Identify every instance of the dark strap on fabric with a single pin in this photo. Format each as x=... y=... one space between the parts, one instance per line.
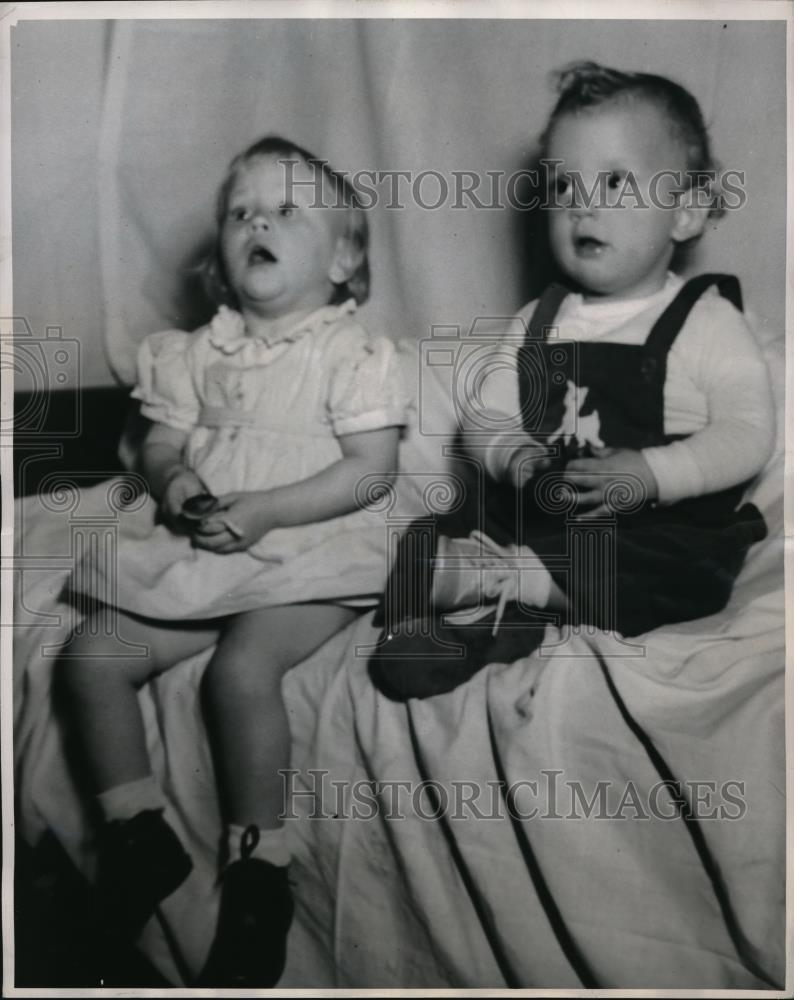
x=560 y=929
x=478 y=902
x=744 y=949
x=669 y=324
x=546 y=310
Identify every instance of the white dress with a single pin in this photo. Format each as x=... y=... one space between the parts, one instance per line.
x=259 y=415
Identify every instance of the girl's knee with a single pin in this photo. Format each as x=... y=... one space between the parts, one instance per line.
x=92 y=657
x=79 y=675
x=258 y=647
x=248 y=674
x=244 y=669
x=259 y=644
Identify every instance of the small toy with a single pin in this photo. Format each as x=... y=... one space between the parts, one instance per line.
x=196 y=508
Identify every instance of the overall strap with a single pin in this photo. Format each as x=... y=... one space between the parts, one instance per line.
x=546 y=310
x=668 y=325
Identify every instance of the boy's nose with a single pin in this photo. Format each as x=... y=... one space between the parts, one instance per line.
x=259 y=221
x=582 y=206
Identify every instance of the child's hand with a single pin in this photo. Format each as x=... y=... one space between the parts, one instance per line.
x=239 y=521
x=182 y=485
x=610 y=467
x=527 y=462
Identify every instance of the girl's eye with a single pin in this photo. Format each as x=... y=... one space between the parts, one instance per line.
x=240 y=214
x=286 y=211
x=615 y=180
x=562 y=185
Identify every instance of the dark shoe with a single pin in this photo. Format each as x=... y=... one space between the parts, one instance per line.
x=141 y=862
x=250 y=946
x=424 y=658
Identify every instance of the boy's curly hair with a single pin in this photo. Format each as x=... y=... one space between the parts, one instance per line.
x=584 y=85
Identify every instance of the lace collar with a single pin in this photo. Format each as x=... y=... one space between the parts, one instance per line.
x=228 y=332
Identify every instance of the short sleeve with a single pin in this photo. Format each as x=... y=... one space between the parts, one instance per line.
x=165 y=381
x=367 y=389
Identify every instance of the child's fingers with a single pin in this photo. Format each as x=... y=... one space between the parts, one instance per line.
x=207 y=542
x=583 y=477
x=224 y=548
x=219 y=526
x=170 y=512
x=582 y=465
x=226 y=500
x=230 y=547
x=596 y=462
x=215 y=534
x=211 y=527
x=221 y=542
x=233 y=528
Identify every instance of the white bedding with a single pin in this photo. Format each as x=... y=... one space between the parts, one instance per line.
x=384 y=903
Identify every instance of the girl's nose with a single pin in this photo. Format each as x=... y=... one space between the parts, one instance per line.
x=259 y=221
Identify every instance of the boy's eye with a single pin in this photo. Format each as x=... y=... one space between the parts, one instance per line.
x=240 y=214
x=286 y=211
x=615 y=180
x=562 y=185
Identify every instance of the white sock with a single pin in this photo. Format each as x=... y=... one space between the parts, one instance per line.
x=125 y=801
x=266 y=845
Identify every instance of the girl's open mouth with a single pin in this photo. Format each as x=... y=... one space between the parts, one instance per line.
x=261 y=255
x=588 y=246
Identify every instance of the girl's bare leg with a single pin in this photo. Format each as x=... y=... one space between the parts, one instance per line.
x=101 y=682
x=251 y=740
x=246 y=714
x=141 y=860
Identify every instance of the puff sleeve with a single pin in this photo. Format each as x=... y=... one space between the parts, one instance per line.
x=367 y=388
x=165 y=381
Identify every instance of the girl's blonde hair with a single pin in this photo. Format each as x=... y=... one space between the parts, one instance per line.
x=357 y=285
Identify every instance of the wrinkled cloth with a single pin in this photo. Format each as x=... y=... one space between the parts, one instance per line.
x=631 y=891
x=381 y=903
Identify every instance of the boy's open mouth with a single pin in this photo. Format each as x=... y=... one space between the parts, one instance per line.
x=588 y=246
x=261 y=255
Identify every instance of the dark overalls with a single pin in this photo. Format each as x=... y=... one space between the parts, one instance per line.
x=643 y=566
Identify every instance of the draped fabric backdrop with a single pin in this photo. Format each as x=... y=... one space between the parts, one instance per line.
x=122 y=132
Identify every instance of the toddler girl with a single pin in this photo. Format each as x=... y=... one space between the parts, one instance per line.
x=638 y=405
x=263 y=424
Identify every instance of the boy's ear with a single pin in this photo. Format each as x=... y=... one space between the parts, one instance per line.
x=346 y=260
x=690 y=218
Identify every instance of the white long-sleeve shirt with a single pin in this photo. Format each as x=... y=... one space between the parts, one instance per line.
x=717 y=388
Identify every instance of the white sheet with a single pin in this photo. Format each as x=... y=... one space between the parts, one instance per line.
x=383 y=903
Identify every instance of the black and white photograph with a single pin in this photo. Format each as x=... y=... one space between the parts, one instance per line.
x=393 y=464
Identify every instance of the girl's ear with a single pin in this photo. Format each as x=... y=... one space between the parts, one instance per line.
x=346 y=260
